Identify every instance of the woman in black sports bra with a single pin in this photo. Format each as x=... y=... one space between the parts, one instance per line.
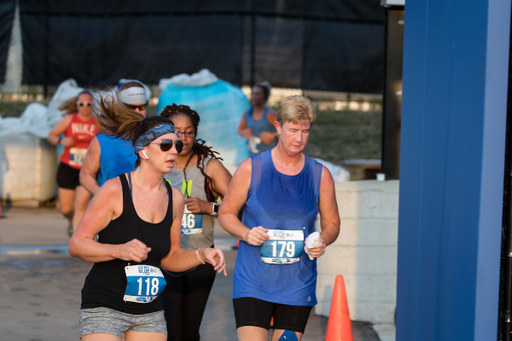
x=137 y=217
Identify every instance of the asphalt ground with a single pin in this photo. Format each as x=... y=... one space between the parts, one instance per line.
x=40 y=284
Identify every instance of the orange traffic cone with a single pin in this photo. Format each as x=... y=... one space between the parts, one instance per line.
x=339 y=327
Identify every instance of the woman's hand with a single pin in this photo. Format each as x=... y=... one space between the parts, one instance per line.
x=318 y=250
x=267 y=137
x=67 y=142
x=196 y=205
x=134 y=250
x=216 y=258
x=256 y=236
x=247 y=132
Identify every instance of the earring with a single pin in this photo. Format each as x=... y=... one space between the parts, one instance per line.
x=144 y=152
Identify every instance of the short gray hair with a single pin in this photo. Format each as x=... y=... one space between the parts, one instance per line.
x=296 y=109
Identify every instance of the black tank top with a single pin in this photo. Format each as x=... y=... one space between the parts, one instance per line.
x=106 y=282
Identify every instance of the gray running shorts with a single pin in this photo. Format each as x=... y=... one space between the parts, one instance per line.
x=109 y=321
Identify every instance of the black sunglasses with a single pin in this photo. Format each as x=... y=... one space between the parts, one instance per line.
x=81 y=104
x=140 y=107
x=166 y=145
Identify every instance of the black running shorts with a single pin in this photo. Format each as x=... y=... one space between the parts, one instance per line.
x=258 y=313
x=67 y=176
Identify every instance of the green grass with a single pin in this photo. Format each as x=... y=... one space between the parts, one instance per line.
x=341 y=135
x=16 y=108
x=12 y=108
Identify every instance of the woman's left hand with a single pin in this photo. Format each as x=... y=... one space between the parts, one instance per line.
x=318 y=250
x=216 y=258
x=68 y=142
x=196 y=205
x=267 y=137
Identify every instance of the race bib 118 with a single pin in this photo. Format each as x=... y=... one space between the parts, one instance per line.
x=283 y=247
x=145 y=283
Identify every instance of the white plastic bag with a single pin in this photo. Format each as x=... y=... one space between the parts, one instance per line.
x=201 y=78
x=220 y=106
x=338 y=173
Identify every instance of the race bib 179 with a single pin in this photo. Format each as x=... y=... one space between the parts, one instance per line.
x=145 y=283
x=283 y=247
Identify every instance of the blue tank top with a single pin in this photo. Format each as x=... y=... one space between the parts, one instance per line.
x=284 y=202
x=257 y=128
x=117 y=157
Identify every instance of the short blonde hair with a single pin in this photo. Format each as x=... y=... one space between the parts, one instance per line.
x=296 y=109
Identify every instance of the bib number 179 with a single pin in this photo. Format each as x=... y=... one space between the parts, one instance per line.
x=281 y=247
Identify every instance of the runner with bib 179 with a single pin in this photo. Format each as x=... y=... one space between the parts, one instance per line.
x=279 y=192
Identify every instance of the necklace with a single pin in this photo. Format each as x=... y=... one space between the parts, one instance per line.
x=184 y=169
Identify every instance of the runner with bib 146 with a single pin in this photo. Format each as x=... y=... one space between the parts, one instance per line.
x=202 y=178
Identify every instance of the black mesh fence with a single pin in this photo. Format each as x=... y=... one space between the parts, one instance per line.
x=505 y=283
x=333 y=45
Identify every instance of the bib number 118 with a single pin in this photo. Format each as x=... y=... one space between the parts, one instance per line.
x=151 y=285
x=283 y=246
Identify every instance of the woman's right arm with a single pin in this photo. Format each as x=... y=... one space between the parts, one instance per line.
x=268 y=136
x=232 y=204
x=242 y=128
x=180 y=260
x=90 y=167
x=59 y=129
x=105 y=206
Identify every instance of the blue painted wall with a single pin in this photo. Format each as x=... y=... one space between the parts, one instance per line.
x=451 y=177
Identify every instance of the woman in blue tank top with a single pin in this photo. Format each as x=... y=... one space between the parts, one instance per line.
x=257 y=123
x=108 y=156
x=280 y=192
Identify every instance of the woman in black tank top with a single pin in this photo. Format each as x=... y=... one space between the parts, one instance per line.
x=137 y=217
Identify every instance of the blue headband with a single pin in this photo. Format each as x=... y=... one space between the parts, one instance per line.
x=152 y=134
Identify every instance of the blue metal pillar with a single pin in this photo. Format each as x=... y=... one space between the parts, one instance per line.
x=454 y=100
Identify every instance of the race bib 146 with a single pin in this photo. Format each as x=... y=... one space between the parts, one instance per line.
x=191 y=223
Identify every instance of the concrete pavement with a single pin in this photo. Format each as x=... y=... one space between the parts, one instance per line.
x=40 y=284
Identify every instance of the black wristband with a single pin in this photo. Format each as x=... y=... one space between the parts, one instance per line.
x=58 y=141
x=215 y=209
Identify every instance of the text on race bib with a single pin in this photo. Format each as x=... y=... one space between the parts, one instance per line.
x=191 y=223
x=76 y=156
x=144 y=283
x=283 y=247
